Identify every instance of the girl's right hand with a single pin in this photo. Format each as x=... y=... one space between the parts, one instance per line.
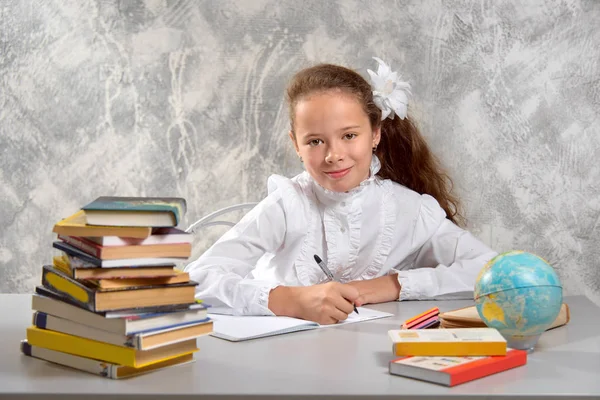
x=327 y=303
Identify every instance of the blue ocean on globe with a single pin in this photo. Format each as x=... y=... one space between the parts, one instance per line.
x=520 y=295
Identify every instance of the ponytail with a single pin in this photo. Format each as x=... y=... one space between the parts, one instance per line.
x=406 y=159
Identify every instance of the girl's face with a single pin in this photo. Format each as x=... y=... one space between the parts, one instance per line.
x=335 y=140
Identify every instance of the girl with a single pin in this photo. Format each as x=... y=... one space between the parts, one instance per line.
x=372 y=203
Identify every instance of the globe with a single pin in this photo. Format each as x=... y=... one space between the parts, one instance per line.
x=520 y=295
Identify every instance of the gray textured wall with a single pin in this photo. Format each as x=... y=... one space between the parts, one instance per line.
x=184 y=98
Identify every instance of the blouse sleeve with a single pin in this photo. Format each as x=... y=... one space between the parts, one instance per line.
x=224 y=271
x=448 y=258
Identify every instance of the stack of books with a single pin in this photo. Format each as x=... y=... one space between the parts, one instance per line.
x=113 y=302
x=451 y=356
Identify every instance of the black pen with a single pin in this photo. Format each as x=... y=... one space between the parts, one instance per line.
x=327 y=272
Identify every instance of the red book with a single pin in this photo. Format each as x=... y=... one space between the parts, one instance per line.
x=452 y=371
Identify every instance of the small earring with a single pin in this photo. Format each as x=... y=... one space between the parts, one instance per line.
x=374 y=149
x=301 y=160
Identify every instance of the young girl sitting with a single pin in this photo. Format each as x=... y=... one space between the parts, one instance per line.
x=373 y=204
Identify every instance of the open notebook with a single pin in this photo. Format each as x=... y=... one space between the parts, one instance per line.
x=239 y=328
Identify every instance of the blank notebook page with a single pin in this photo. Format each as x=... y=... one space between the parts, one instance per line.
x=238 y=328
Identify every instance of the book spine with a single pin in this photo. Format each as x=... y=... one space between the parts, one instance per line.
x=76 y=263
x=75 y=253
x=70 y=288
x=40 y=319
x=90 y=248
x=26 y=348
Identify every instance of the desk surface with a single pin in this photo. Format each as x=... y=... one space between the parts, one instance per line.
x=349 y=361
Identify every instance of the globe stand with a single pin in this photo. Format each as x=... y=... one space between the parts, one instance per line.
x=522 y=342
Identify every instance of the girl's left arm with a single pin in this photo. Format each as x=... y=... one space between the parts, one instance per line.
x=447 y=258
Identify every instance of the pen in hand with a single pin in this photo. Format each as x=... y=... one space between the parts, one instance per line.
x=327 y=272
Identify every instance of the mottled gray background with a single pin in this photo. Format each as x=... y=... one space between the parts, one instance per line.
x=185 y=98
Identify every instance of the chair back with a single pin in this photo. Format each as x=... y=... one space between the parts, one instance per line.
x=211 y=219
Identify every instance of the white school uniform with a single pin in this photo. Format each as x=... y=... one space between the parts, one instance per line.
x=376 y=229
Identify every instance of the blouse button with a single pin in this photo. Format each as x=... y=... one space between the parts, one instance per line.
x=343 y=204
x=343 y=230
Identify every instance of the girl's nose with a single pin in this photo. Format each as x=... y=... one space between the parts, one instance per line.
x=333 y=156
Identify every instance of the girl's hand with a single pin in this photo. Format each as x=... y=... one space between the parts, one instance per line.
x=378 y=290
x=325 y=304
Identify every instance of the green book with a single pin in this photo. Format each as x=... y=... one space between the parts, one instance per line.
x=153 y=212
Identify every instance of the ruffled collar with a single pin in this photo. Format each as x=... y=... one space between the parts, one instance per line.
x=327 y=196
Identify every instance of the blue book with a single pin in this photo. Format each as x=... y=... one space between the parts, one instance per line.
x=153 y=212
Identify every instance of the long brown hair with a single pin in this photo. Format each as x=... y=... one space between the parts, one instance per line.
x=404 y=154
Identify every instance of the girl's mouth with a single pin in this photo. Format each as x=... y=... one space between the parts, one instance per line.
x=339 y=173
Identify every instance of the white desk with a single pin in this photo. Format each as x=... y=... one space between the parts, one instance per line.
x=348 y=361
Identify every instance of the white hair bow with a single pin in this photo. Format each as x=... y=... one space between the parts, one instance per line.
x=390 y=94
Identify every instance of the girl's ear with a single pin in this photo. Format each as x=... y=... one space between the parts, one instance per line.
x=293 y=138
x=376 y=136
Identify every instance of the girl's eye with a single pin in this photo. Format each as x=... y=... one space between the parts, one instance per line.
x=350 y=136
x=314 y=142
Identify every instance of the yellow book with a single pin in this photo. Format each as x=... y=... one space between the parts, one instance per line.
x=93 y=299
x=107 y=352
x=448 y=342
x=102 y=368
x=75 y=225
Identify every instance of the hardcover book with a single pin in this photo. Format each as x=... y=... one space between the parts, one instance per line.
x=107 y=352
x=124 y=283
x=81 y=259
x=179 y=250
x=158 y=236
x=75 y=225
x=140 y=341
x=95 y=300
x=63 y=264
x=135 y=211
x=102 y=368
x=121 y=322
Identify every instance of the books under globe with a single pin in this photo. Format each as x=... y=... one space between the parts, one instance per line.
x=113 y=302
x=468 y=317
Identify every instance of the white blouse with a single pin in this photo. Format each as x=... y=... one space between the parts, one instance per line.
x=376 y=229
